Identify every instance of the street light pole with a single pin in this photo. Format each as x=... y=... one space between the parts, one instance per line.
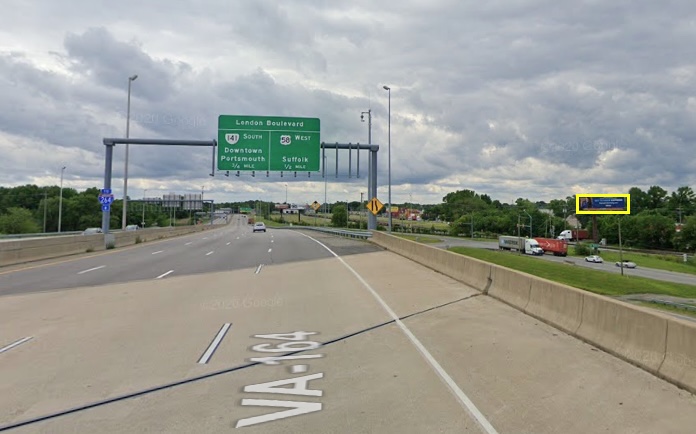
x=60 y=201
x=125 y=171
x=388 y=89
x=45 y=211
x=286 y=193
x=530 y=223
x=326 y=204
x=360 y=209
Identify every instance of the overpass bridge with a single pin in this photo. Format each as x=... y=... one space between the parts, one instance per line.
x=302 y=331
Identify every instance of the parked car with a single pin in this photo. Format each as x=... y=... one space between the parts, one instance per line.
x=626 y=264
x=594 y=258
x=92 y=231
x=259 y=227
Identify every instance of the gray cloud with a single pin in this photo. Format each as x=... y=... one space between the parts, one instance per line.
x=500 y=97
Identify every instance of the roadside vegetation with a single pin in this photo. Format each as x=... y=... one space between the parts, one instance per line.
x=463 y=213
x=667 y=262
x=600 y=282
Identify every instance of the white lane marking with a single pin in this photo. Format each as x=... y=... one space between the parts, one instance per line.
x=210 y=253
x=189 y=243
x=213 y=345
x=91 y=269
x=237 y=237
x=205 y=238
x=298 y=369
x=271 y=241
x=458 y=392
x=159 y=251
x=269 y=250
x=165 y=274
x=258 y=269
x=228 y=243
x=14 y=344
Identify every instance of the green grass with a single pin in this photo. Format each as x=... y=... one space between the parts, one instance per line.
x=420 y=238
x=600 y=282
x=660 y=262
x=268 y=223
x=666 y=307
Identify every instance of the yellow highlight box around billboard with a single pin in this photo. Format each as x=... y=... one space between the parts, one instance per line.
x=603 y=203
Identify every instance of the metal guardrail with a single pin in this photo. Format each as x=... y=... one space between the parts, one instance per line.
x=341 y=232
x=689 y=307
x=39 y=235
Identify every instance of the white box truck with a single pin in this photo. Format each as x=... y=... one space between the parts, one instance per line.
x=528 y=246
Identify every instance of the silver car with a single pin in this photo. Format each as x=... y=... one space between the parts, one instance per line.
x=594 y=258
x=626 y=264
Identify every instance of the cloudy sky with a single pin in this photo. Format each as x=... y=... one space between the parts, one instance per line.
x=513 y=98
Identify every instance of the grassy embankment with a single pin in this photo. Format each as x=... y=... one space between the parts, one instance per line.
x=600 y=282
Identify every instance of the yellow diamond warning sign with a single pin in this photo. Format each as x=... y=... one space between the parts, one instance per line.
x=374 y=205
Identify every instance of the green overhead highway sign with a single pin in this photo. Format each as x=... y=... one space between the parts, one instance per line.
x=268 y=143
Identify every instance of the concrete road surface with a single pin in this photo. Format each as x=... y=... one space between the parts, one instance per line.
x=291 y=332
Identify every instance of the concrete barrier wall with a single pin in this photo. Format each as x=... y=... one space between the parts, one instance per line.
x=28 y=250
x=510 y=286
x=679 y=366
x=471 y=271
x=656 y=342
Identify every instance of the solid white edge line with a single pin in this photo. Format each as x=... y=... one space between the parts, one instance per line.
x=165 y=274
x=258 y=269
x=213 y=345
x=159 y=251
x=189 y=243
x=14 y=344
x=91 y=269
x=458 y=392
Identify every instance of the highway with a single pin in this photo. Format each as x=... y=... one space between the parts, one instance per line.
x=610 y=267
x=294 y=331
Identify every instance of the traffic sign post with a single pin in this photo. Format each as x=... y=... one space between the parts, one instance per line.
x=106 y=198
x=268 y=143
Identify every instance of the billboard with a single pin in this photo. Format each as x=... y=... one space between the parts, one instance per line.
x=603 y=204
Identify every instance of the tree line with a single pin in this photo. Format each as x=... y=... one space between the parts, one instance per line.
x=33 y=209
x=651 y=224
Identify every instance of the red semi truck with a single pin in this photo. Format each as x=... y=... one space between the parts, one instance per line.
x=557 y=247
x=574 y=235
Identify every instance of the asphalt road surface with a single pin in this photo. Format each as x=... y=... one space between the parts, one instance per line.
x=610 y=267
x=294 y=332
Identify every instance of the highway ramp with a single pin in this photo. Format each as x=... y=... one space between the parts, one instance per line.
x=398 y=348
